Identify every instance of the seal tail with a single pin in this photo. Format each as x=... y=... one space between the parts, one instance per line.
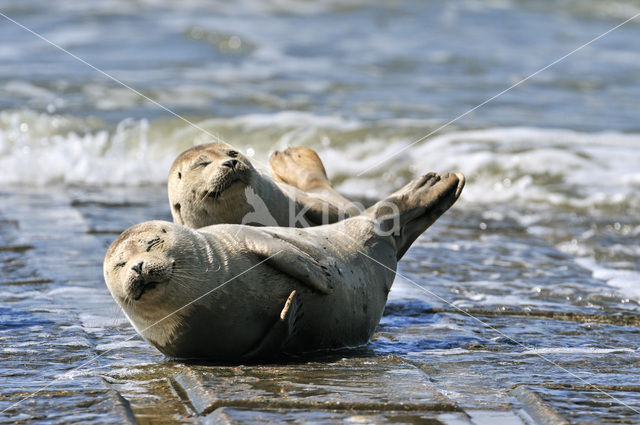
x=408 y=212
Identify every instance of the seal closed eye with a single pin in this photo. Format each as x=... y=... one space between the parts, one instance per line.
x=239 y=293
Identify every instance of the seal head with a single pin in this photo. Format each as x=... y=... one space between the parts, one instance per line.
x=215 y=184
x=147 y=270
x=206 y=182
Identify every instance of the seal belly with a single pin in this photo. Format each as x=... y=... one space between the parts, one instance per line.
x=226 y=325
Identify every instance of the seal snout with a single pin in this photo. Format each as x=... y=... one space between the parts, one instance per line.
x=146 y=276
x=228 y=173
x=232 y=163
x=138 y=268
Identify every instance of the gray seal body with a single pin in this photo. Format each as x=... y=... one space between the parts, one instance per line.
x=240 y=293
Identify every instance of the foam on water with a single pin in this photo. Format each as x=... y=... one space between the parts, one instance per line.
x=524 y=169
x=576 y=351
x=534 y=351
x=524 y=165
x=627 y=282
x=527 y=166
x=34 y=151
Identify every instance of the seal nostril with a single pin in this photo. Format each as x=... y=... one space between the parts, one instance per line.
x=231 y=163
x=137 y=268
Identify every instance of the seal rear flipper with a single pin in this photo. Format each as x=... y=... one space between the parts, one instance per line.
x=409 y=211
x=271 y=345
x=299 y=166
x=291 y=260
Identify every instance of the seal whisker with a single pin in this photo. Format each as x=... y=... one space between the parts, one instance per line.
x=189 y=277
x=200 y=200
x=186 y=268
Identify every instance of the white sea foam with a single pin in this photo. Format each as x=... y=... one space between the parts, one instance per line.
x=527 y=166
x=34 y=152
x=533 y=351
x=523 y=165
x=540 y=165
x=627 y=282
x=286 y=119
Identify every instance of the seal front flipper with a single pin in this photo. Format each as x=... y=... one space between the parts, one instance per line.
x=275 y=339
x=291 y=260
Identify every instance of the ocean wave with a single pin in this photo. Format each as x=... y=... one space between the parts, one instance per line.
x=41 y=149
x=521 y=165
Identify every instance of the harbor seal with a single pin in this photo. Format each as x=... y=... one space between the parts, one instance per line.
x=301 y=167
x=241 y=293
x=215 y=184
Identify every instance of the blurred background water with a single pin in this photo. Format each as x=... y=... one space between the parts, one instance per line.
x=547 y=226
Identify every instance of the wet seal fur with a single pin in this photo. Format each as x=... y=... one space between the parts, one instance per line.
x=241 y=293
x=215 y=184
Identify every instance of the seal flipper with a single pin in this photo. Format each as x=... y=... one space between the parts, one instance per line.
x=291 y=260
x=417 y=206
x=299 y=166
x=275 y=339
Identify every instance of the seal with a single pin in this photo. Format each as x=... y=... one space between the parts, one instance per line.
x=214 y=184
x=301 y=167
x=241 y=293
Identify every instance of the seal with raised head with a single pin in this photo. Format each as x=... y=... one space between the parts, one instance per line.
x=215 y=184
x=242 y=293
x=301 y=167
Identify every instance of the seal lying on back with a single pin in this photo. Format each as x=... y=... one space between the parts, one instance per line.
x=242 y=293
x=216 y=184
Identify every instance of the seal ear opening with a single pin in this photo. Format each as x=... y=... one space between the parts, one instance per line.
x=177 y=215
